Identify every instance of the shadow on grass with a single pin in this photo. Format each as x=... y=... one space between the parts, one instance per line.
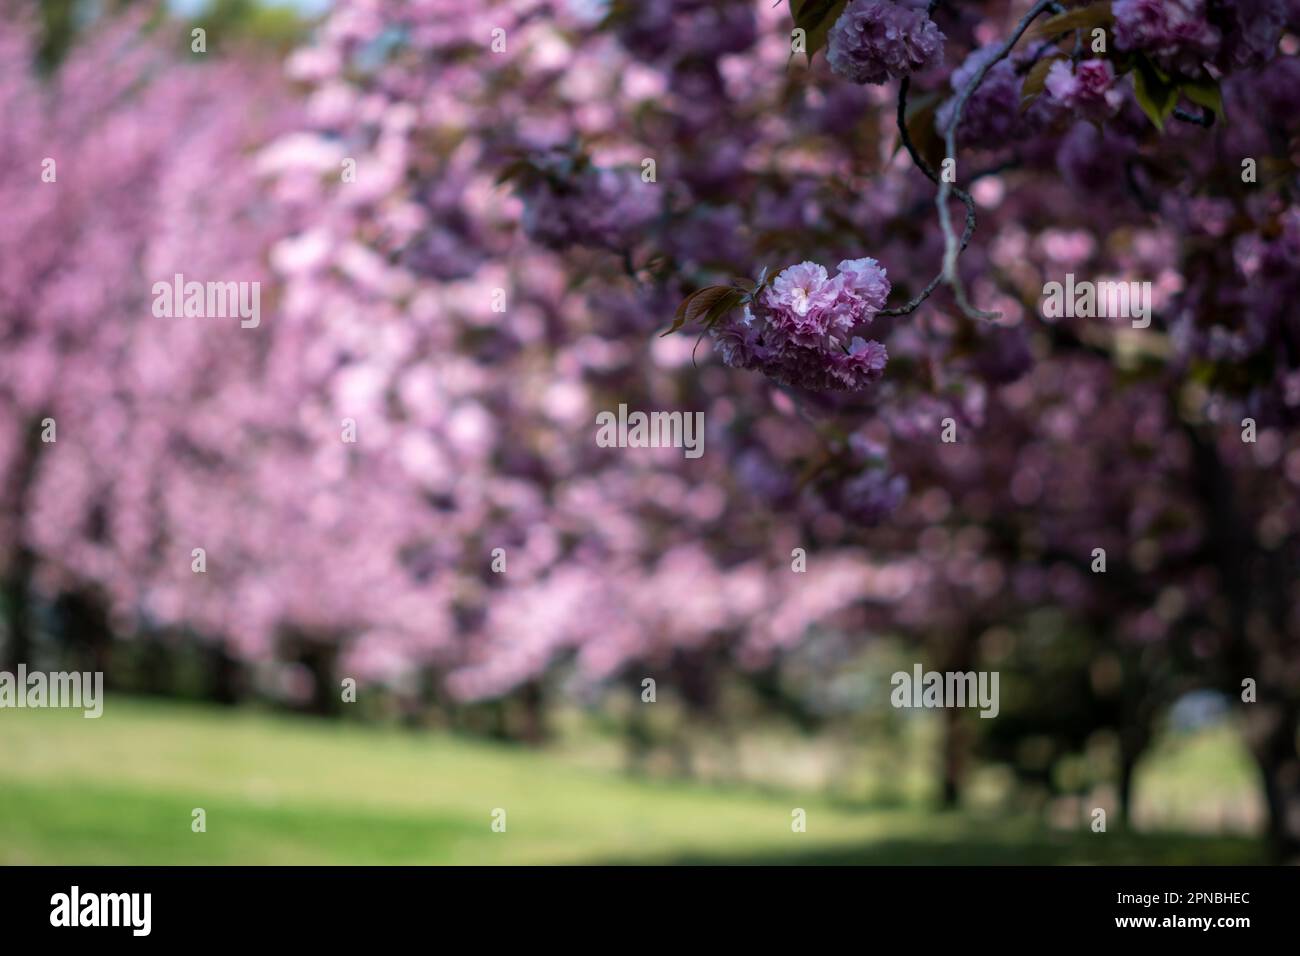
x=94 y=825
x=1046 y=848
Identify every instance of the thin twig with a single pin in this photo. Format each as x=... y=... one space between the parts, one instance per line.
x=915 y=302
x=952 y=247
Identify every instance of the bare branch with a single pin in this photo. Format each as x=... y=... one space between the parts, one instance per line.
x=913 y=304
x=953 y=246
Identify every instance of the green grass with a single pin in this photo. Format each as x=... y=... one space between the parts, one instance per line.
x=1201 y=780
x=282 y=790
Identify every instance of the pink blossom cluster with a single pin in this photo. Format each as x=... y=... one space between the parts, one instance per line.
x=874 y=41
x=799 y=331
x=1088 y=88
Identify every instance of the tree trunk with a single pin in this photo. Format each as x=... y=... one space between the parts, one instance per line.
x=637 y=735
x=156 y=675
x=85 y=633
x=17 y=609
x=320 y=658
x=954 y=759
x=17 y=585
x=532 y=707
x=225 y=675
x=1127 y=766
x=1133 y=741
x=1251 y=582
x=959 y=657
x=1272 y=734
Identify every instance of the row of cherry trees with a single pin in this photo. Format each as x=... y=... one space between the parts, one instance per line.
x=473 y=221
x=380 y=480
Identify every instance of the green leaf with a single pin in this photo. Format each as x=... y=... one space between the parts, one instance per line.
x=1036 y=78
x=1155 y=95
x=816 y=17
x=1204 y=93
x=1081 y=18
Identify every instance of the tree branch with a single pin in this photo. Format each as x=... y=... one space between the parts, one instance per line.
x=913 y=304
x=952 y=246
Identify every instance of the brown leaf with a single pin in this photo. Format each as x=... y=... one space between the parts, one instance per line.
x=705 y=300
x=696 y=304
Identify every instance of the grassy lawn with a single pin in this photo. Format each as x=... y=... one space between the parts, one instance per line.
x=282 y=790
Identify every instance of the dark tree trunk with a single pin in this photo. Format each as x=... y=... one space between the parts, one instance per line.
x=156 y=673
x=1127 y=766
x=17 y=609
x=327 y=692
x=954 y=759
x=1258 y=583
x=17 y=585
x=225 y=675
x=694 y=676
x=959 y=657
x=1133 y=743
x=532 y=708
x=1272 y=734
x=85 y=632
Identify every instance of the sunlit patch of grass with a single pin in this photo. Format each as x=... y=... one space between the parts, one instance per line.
x=283 y=790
